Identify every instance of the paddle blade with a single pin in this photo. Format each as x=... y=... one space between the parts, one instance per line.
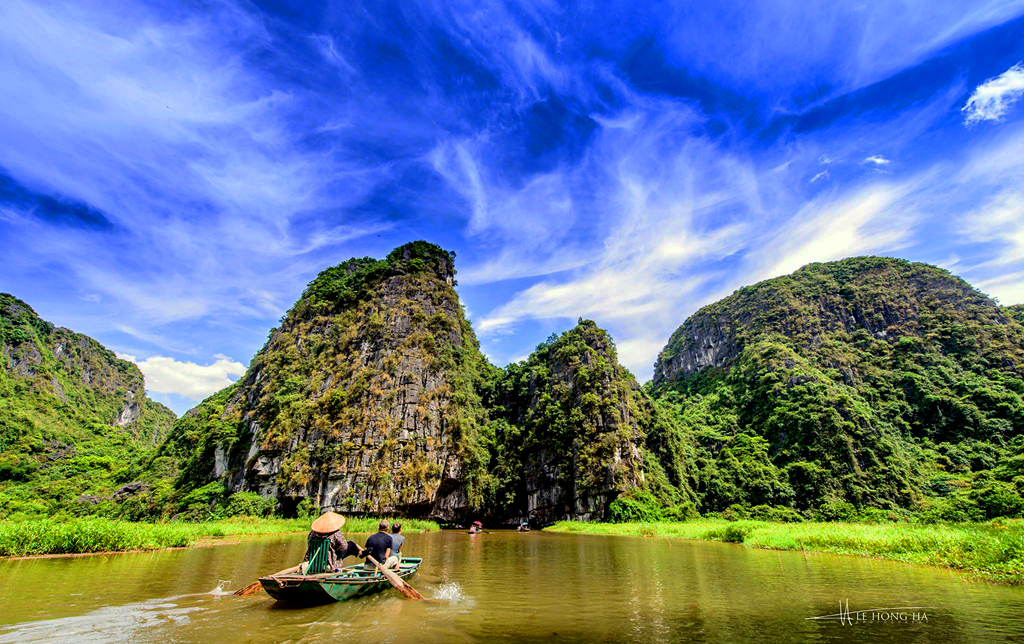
x=408 y=591
x=251 y=589
x=256 y=586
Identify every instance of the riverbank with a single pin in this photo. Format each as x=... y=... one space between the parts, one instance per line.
x=90 y=535
x=994 y=550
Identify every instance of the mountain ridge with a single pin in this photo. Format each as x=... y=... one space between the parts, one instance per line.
x=868 y=386
x=74 y=418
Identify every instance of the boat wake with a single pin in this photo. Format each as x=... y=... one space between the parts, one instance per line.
x=106 y=624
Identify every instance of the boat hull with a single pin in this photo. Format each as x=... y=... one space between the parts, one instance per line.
x=350 y=583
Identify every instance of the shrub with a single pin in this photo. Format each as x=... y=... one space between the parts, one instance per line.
x=999 y=500
x=836 y=511
x=735 y=512
x=248 y=504
x=955 y=509
x=306 y=510
x=635 y=507
x=779 y=513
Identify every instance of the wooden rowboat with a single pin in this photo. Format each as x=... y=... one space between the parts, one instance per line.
x=349 y=583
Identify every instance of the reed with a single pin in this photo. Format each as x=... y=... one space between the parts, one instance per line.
x=993 y=550
x=38 y=537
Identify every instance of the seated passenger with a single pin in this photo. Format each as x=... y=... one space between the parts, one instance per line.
x=397 y=539
x=378 y=546
x=326 y=546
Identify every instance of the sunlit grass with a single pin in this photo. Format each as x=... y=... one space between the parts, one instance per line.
x=43 y=537
x=992 y=550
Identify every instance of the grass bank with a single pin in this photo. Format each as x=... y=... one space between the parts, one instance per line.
x=992 y=550
x=39 y=537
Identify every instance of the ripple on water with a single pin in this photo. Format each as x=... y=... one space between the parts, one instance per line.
x=107 y=624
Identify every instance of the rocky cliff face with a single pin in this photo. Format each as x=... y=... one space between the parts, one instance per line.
x=886 y=298
x=78 y=374
x=365 y=400
x=574 y=423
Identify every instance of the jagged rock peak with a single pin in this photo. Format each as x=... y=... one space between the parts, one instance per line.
x=364 y=400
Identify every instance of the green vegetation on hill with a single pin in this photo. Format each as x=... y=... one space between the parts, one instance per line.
x=74 y=419
x=866 y=389
x=571 y=409
x=862 y=383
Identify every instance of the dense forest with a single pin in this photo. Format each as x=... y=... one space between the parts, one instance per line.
x=868 y=388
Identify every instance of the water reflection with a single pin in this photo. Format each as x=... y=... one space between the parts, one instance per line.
x=505 y=586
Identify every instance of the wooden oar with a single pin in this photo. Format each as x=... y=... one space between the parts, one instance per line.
x=396 y=581
x=256 y=586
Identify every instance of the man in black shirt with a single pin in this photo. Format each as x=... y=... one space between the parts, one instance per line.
x=378 y=546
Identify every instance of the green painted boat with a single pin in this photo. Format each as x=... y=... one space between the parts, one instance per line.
x=349 y=583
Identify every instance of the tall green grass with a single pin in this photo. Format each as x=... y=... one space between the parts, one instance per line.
x=38 y=537
x=993 y=550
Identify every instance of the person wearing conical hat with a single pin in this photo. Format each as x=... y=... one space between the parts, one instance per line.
x=326 y=545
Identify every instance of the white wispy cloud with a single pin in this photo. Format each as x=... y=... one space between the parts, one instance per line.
x=1000 y=220
x=991 y=100
x=161 y=123
x=865 y=221
x=188 y=379
x=1009 y=287
x=821 y=175
x=876 y=159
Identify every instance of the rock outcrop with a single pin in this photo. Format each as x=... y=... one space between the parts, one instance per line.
x=76 y=374
x=364 y=400
x=575 y=423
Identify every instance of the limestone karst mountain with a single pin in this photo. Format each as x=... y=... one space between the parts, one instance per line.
x=867 y=385
x=570 y=428
x=373 y=397
x=872 y=381
x=366 y=398
x=73 y=417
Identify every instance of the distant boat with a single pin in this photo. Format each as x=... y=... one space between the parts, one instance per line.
x=349 y=583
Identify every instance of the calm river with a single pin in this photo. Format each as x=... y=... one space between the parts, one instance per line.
x=509 y=587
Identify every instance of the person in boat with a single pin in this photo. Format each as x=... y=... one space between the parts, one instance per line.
x=326 y=545
x=397 y=539
x=476 y=527
x=378 y=546
x=524 y=527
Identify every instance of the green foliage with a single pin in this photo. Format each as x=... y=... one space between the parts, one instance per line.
x=640 y=505
x=345 y=285
x=248 y=504
x=61 y=397
x=571 y=417
x=44 y=537
x=998 y=500
x=864 y=388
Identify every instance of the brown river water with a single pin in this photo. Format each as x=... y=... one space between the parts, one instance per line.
x=510 y=587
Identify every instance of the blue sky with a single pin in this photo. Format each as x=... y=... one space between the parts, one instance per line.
x=172 y=175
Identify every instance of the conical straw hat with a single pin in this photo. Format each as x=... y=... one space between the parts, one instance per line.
x=328 y=522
